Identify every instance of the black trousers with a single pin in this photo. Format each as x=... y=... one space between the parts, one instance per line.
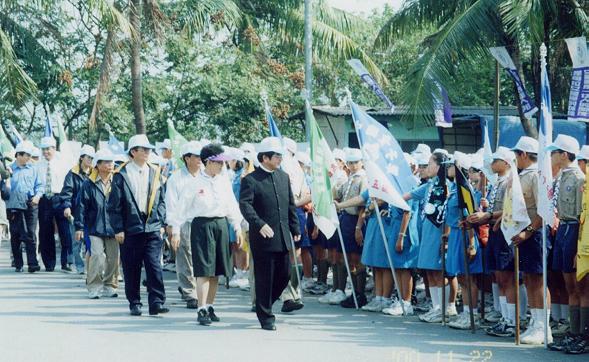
x=23 y=224
x=144 y=248
x=272 y=273
x=46 y=234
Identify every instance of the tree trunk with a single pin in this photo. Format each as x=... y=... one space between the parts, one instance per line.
x=136 y=91
x=104 y=80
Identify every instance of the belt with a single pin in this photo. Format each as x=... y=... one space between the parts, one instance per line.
x=568 y=222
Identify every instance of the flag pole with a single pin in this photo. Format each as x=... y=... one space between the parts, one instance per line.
x=545 y=284
x=388 y=252
x=296 y=263
x=517 y=301
x=467 y=274
x=341 y=241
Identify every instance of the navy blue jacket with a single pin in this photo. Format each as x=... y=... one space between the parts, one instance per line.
x=91 y=211
x=68 y=197
x=123 y=211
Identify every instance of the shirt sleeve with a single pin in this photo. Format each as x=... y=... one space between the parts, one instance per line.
x=580 y=185
x=365 y=195
x=171 y=200
x=233 y=213
x=420 y=192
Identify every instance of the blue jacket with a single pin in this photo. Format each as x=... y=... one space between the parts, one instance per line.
x=91 y=211
x=122 y=208
x=25 y=183
x=68 y=197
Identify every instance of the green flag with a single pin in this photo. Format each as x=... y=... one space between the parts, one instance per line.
x=5 y=144
x=177 y=141
x=325 y=216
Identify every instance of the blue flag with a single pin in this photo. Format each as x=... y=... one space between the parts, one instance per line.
x=545 y=189
x=389 y=174
x=274 y=132
x=48 y=127
x=115 y=145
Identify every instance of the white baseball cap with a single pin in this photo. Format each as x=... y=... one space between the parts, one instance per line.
x=26 y=147
x=504 y=154
x=102 y=155
x=462 y=160
x=565 y=143
x=526 y=144
x=353 y=154
x=249 y=150
x=36 y=152
x=423 y=149
x=410 y=159
x=87 y=150
x=47 y=142
x=271 y=144
x=476 y=161
x=304 y=158
x=421 y=159
x=191 y=147
x=339 y=154
x=442 y=151
x=139 y=140
x=290 y=145
x=584 y=153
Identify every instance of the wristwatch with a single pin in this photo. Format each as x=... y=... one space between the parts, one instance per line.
x=530 y=229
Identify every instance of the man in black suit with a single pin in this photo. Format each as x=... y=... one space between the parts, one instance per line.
x=266 y=202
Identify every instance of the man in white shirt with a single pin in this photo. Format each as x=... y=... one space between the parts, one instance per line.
x=53 y=172
x=179 y=230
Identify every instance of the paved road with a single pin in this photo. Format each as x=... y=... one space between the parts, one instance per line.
x=46 y=317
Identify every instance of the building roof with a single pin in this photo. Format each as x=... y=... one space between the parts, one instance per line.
x=457 y=111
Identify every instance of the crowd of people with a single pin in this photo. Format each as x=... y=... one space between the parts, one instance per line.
x=245 y=215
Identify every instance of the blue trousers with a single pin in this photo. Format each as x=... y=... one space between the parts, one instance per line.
x=144 y=248
x=47 y=214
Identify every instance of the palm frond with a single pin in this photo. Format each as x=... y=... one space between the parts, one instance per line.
x=112 y=16
x=154 y=18
x=16 y=86
x=415 y=15
x=327 y=42
x=336 y=18
x=463 y=38
x=199 y=15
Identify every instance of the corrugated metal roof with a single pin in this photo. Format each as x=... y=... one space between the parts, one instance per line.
x=457 y=111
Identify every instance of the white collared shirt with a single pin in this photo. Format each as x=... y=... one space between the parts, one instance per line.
x=59 y=169
x=176 y=188
x=206 y=196
x=139 y=179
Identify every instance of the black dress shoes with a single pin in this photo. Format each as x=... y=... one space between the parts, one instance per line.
x=158 y=309
x=203 y=317
x=33 y=269
x=291 y=306
x=18 y=270
x=269 y=327
x=192 y=304
x=135 y=310
x=49 y=270
x=212 y=315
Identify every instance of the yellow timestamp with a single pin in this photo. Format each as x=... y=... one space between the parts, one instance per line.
x=416 y=356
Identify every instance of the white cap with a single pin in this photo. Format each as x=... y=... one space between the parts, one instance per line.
x=410 y=159
x=421 y=159
x=353 y=154
x=47 y=142
x=167 y=144
x=25 y=146
x=304 y=158
x=476 y=161
x=234 y=153
x=290 y=145
x=339 y=154
x=192 y=147
x=462 y=160
x=102 y=155
x=249 y=150
x=271 y=144
x=423 y=149
x=504 y=154
x=121 y=157
x=565 y=143
x=442 y=151
x=584 y=153
x=526 y=144
x=87 y=150
x=36 y=152
x=139 y=140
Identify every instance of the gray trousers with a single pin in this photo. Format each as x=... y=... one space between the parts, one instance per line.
x=184 y=271
x=103 y=265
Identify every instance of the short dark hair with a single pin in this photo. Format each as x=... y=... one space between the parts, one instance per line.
x=261 y=155
x=210 y=150
x=572 y=157
x=532 y=156
x=188 y=155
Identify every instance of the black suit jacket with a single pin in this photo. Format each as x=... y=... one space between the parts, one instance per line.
x=266 y=198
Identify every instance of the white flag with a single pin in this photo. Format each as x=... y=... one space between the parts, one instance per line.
x=515 y=214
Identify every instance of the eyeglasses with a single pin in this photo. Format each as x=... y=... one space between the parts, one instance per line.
x=352 y=162
x=556 y=152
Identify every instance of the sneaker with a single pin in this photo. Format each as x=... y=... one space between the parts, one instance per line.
x=580 y=345
x=325 y=298
x=373 y=306
x=561 y=328
x=493 y=316
x=67 y=269
x=528 y=330
x=109 y=292
x=192 y=304
x=451 y=310
x=424 y=305
x=233 y=282
x=320 y=288
x=337 y=297
x=463 y=322
x=243 y=283
x=426 y=315
x=307 y=284
x=505 y=328
x=567 y=340
x=212 y=316
x=435 y=316
x=203 y=317
x=94 y=294
x=395 y=309
x=536 y=335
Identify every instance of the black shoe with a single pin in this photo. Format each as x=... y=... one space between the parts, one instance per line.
x=269 y=327
x=203 y=317
x=567 y=340
x=33 y=269
x=192 y=304
x=349 y=301
x=212 y=314
x=158 y=309
x=135 y=310
x=580 y=345
x=291 y=305
x=66 y=269
x=19 y=270
x=49 y=270
x=502 y=329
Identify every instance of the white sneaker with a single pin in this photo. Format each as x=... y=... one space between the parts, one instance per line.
x=432 y=316
x=109 y=292
x=94 y=294
x=493 y=316
x=536 y=335
x=325 y=298
x=233 y=282
x=426 y=315
x=463 y=322
x=373 y=306
x=528 y=330
x=451 y=310
x=307 y=284
x=337 y=297
x=397 y=310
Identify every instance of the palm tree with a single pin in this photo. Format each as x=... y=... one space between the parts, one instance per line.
x=465 y=31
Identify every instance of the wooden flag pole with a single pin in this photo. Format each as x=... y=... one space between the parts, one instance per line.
x=517 y=301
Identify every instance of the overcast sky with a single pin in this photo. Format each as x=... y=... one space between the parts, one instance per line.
x=364 y=6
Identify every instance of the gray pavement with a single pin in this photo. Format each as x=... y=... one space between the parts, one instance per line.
x=47 y=317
